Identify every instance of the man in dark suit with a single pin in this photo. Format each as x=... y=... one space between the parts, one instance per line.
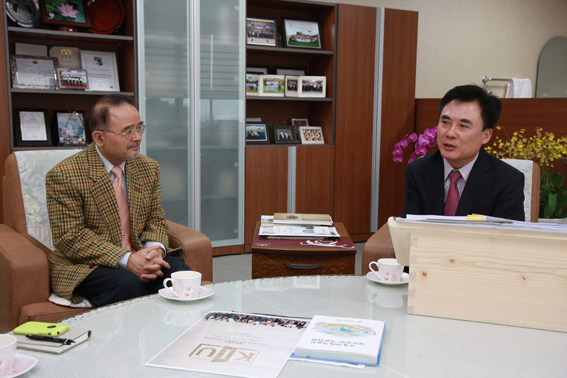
x=486 y=185
x=95 y=257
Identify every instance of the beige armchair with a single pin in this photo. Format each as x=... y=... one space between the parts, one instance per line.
x=379 y=245
x=24 y=266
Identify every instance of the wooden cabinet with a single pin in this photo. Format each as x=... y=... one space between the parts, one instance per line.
x=315 y=62
x=268 y=181
x=308 y=170
x=123 y=44
x=340 y=177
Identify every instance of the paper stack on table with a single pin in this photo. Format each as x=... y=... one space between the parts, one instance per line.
x=297 y=226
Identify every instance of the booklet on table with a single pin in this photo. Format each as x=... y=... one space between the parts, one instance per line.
x=341 y=339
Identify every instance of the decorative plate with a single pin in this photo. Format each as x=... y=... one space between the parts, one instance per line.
x=106 y=15
x=25 y=13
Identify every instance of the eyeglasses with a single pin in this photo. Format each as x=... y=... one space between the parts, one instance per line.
x=130 y=134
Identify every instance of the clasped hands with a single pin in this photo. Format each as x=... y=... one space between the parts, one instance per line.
x=147 y=263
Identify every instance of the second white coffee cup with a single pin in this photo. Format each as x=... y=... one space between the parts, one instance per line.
x=8 y=344
x=388 y=270
x=184 y=284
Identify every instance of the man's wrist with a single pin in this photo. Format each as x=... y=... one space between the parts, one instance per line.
x=150 y=243
x=124 y=260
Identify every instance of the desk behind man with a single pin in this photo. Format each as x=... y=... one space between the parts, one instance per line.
x=104 y=205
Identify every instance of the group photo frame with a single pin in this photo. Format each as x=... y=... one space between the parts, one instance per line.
x=302 y=34
x=291 y=86
x=272 y=85
x=312 y=86
x=252 y=85
x=311 y=135
x=261 y=31
x=72 y=79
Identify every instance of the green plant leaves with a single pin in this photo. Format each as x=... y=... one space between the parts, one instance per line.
x=553 y=196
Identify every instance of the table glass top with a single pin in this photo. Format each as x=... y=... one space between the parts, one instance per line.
x=127 y=335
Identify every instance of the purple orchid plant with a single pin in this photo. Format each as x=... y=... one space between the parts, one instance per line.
x=421 y=144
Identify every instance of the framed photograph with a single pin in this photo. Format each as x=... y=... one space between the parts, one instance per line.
x=290 y=71
x=257 y=133
x=72 y=79
x=102 y=70
x=284 y=134
x=257 y=70
x=312 y=86
x=31 y=128
x=302 y=34
x=261 y=31
x=252 y=88
x=298 y=122
x=33 y=72
x=291 y=83
x=272 y=85
x=311 y=135
x=69 y=127
x=65 y=12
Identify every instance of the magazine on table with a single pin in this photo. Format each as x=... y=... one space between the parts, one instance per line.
x=233 y=343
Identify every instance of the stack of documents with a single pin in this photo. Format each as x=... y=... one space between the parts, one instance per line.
x=271 y=228
x=303 y=219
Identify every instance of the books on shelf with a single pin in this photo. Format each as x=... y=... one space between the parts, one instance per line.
x=303 y=219
x=79 y=335
x=340 y=339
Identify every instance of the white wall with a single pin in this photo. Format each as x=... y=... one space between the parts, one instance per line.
x=460 y=41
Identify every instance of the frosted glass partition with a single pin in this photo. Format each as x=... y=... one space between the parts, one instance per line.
x=191 y=68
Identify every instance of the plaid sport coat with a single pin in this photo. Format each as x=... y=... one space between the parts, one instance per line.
x=84 y=218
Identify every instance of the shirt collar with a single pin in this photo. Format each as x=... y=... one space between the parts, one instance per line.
x=108 y=165
x=465 y=170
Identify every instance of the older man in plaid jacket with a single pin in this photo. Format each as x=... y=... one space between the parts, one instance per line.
x=97 y=256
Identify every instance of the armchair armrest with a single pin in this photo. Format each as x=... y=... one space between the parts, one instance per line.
x=197 y=247
x=24 y=276
x=379 y=246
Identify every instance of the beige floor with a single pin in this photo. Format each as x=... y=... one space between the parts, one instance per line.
x=239 y=267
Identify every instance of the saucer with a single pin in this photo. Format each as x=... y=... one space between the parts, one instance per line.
x=204 y=292
x=22 y=364
x=373 y=276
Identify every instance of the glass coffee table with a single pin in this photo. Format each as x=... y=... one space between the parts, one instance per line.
x=127 y=335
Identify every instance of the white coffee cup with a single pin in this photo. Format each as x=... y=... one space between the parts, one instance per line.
x=8 y=345
x=388 y=270
x=184 y=283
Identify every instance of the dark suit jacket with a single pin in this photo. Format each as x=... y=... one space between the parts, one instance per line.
x=493 y=188
x=84 y=218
